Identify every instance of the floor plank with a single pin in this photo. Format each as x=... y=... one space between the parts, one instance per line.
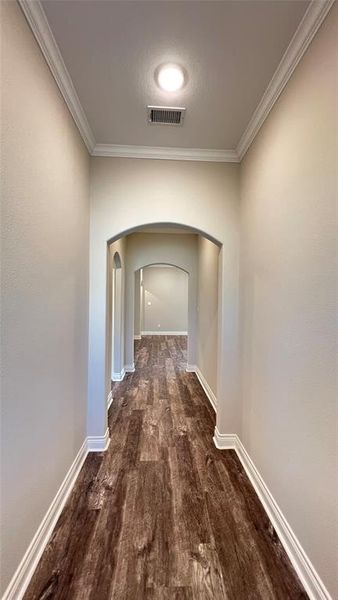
x=163 y=514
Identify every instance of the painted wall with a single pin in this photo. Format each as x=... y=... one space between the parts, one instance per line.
x=127 y=193
x=178 y=249
x=165 y=299
x=289 y=278
x=44 y=288
x=207 y=303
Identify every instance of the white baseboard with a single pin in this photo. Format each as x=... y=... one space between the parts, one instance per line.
x=126 y=369
x=26 y=568
x=109 y=399
x=97 y=443
x=206 y=387
x=225 y=441
x=159 y=332
x=309 y=577
x=119 y=376
x=137 y=337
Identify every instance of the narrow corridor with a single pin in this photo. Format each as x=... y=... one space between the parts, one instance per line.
x=163 y=514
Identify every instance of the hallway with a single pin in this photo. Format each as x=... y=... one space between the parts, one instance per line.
x=163 y=514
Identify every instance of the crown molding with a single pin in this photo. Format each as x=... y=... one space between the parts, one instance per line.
x=305 y=32
x=160 y=152
x=39 y=25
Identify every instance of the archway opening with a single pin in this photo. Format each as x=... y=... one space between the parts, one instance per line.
x=197 y=255
x=117 y=357
x=161 y=301
x=164 y=227
x=163 y=292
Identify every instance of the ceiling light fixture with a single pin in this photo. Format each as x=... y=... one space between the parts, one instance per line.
x=170 y=78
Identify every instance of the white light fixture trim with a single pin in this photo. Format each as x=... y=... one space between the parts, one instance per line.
x=170 y=78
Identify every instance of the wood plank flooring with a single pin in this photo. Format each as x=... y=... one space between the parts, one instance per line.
x=163 y=514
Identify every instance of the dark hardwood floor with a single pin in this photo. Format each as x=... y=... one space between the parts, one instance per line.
x=163 y=514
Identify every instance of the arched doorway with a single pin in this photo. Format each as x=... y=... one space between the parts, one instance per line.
x=116 y=334
x=161 y=301
x=226 y=355
x=157 y=249
x=197 y=258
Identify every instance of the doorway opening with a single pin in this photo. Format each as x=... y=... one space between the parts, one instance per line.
x=161 y=301
x=165 y=281
x=163 y=306
x=116 y=319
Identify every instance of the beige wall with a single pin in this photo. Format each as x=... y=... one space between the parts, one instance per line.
x=44 y=288
x=207 y=303
x=166 y=289
x=289 y=277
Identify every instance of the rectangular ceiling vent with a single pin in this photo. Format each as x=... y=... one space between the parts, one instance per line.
x=165 y=115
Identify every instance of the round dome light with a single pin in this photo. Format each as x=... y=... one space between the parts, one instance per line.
x=170 y=78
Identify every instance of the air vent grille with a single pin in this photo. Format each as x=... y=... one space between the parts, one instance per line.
x=165 y=115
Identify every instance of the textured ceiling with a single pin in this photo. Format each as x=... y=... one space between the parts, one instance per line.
x=229 y=49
